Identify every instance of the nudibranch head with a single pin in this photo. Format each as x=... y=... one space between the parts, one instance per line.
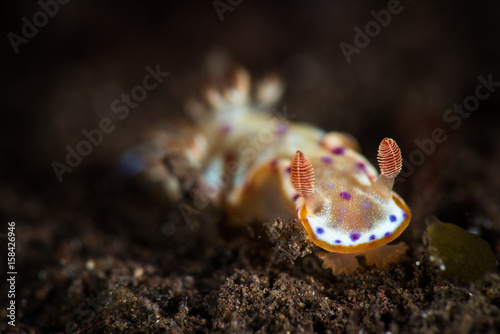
x=350 y=209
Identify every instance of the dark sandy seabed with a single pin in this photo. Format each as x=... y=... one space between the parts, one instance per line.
x=100 y=253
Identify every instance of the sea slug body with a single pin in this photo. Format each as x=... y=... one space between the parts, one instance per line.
x=258 y=165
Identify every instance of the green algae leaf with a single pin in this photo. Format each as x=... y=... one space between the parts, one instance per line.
x=459 y=256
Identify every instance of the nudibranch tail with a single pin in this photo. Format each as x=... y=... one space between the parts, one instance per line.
x=302 y=174
x=390 y=163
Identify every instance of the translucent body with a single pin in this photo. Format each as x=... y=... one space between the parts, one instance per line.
x=245 y=154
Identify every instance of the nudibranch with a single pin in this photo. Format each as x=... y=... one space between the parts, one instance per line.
x=258 y=165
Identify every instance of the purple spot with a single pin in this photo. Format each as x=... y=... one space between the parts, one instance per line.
x=367 y=205
x=345 y=195
x=372 y=237
x=361 y=166
x=297 y=211
x=319 y=230
x=295 y=197
x=281 y=128
x=288 y=170
x=274 y=162
x=327 y=160
x=393 y=218
x=355 y=235
x=387 y=234
x=338 y=241
x=225 y=129
x=405 y=215
x=338 y=150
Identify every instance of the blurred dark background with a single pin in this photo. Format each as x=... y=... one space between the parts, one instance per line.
x=426 y=59
x=63 y=80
